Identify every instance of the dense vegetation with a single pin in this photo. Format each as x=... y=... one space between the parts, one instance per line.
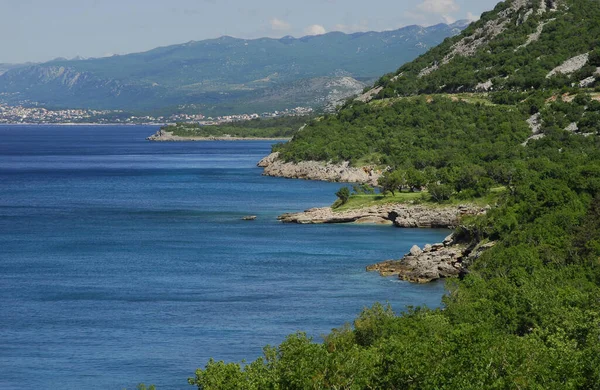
x=283 y=127
x=527 y=315
x=417 y=132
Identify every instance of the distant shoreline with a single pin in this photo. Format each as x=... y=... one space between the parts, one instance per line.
x=167 y=136
x=83 y=124
x=200 y=139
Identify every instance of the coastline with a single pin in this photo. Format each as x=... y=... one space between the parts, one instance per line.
x=451 y=258
x=434 y=261
x=167 y=136
x=448 y=259
x=404 y=215
x=82 y=124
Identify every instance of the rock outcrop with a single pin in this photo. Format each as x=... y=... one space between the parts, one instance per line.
x=315 y=170
x=433 y=262
x=399 y=214
x=571 y=65
x=535 y=124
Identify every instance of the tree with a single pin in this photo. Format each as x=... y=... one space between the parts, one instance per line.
x=440 y=192
x=343 y=195
x=391 y=181
x=415 y=179
x=594 y=58
x=364 y=189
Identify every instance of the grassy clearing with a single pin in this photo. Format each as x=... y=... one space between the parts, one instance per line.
x=358 y=201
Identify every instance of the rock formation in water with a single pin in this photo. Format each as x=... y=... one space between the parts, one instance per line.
x=432 y=262
x=401 y=215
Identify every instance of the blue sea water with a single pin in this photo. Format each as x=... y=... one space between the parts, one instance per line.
x=124 y=261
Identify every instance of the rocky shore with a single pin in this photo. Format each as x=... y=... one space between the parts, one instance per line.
x=316 y=170
x=398 y=214
x=433 y=262
x=167 y=136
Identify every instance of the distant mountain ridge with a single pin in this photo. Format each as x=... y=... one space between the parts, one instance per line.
x=225 y=72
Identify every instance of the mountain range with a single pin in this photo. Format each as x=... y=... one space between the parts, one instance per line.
x=224 y=74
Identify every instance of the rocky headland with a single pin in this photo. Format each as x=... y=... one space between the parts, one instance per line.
x=432 y=262
x=399 y=214
x=442 y=260
x=316 y=170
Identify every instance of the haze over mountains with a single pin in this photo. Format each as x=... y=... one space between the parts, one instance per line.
x=224 y=75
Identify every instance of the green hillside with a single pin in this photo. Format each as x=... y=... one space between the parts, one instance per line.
x=527 y=315
x=517 y=51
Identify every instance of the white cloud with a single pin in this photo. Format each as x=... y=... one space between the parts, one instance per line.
x=472 y=17
x=438 y=6
x=279 y=25
x=448 y=19
x=315 y=29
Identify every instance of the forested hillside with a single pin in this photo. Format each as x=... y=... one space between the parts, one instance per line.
x=527 y=314
x=519 y=46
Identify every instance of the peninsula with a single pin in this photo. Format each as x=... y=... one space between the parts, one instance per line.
x=277 y=128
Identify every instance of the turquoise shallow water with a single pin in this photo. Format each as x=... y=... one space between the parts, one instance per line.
x=124 y=261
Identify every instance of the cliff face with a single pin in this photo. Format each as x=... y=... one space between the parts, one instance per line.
x=315 y=170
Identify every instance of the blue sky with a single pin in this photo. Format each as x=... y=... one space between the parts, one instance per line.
x=39 y=30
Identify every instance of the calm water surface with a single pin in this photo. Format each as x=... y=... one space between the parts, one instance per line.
x=124 y=261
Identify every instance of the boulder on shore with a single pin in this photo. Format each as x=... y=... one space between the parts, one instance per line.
x=437 y=261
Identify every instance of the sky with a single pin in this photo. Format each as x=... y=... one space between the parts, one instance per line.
x=40 y=30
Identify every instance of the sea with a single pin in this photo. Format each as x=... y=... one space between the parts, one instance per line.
x=125 y=261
